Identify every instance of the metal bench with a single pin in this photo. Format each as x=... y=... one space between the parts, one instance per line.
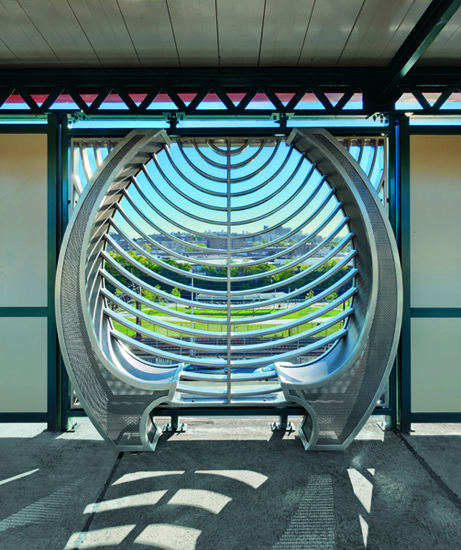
x=121 y=391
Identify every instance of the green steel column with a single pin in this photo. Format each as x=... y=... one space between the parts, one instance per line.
x=403 y=184
x=63 y=219
x=394 y=218
x=54 y=186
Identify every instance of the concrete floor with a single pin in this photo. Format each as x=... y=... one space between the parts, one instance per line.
x=230 y=484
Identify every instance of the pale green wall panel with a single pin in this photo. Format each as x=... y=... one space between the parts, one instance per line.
x=436 y=365
x=23 y=220
x=23 y=343
x=435 y=177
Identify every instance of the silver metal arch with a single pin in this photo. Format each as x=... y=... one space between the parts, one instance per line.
x=105 y=372
x=344 y=385
x=103 y=377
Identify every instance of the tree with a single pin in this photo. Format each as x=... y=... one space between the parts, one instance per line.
x=310 y=294
x=331 y=297
x=177 y=294
x=150 y=295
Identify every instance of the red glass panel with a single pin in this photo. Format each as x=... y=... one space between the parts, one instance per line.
x=236 y=97
x=285 y=97
x=138 y=98
x=187 y=97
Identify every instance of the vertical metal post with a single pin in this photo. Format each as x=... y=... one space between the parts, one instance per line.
x=393 y=207
x=229 y=258
x=405 y=382
x=64 y=196
x=192 y=339
x=54 y=130
x=400 y=216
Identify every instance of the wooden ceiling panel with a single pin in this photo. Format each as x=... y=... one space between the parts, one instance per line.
x=379 y=31
x=150 y=29
x=195 y=32
x=22 y=39
x=66 y=37
x=239 y=32
x=7 y=59
x=329 y=31
x=212 y=33
x=447 y=46
x=105 y=28
x=411 y=18
x=285 y=25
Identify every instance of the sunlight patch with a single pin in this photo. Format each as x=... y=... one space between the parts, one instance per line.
x=364 y=528
x=142 y=499
x=14 y=478
x=100 y=537
x=136 y=476
x=253 y=479
x=206 y=500
x=363 y=489
x=169 y=537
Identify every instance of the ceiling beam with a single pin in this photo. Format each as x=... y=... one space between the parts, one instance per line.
x=277 y=77
x=417 y=42
x=188 y=77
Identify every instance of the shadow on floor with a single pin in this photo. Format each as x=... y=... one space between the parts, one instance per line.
x=212 y=488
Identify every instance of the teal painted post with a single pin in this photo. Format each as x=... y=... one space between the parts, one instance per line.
x=63 y=219
x=54 y=184
x=403 y=179
x=394 y=218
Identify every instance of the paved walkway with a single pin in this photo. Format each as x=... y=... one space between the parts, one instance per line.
x=230 y=484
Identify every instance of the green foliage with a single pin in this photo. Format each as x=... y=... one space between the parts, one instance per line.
x=149 y=264
x=237 y=270
x=331 y=297
x=149 y=295
x=175 y=292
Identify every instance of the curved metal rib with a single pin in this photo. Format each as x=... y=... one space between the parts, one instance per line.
x=223 y=153
x=267 y=284
x=242 y=193
x=250 y=363
x=234 y=180
x=236 y=321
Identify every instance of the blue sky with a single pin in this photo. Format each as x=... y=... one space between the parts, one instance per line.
x=292 y=178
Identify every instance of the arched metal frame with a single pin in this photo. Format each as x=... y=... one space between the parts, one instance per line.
x=343 y=396
x=117 y=389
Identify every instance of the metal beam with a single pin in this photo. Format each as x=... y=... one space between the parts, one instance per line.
x=191 y=78
x=23 y=88
x=420 y=38
x=233 y=77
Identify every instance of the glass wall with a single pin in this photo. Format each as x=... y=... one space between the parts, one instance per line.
x=435 y=233
x=23 y=273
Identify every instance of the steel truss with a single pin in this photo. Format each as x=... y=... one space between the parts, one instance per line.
x=280 y=94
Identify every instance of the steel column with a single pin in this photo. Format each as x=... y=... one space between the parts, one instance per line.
x=54 y=131
x=402 y=168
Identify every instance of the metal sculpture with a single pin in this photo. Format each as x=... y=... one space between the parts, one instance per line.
x=207 y=207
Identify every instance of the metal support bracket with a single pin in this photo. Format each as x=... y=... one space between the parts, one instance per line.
x=174 y=426
x=283 y=424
